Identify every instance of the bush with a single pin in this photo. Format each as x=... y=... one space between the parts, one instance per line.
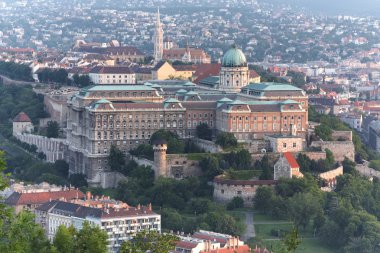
x=226 y=140
x=236 y=202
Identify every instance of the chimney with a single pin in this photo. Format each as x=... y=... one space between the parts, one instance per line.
x=88 y=195
x=150 y=207
x=138 y=207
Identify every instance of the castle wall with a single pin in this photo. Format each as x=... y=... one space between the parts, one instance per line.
x=315 y=155
x=54 y=149
x=340 y=149
x=341 y=135
x=207 y=146
x=226 y=190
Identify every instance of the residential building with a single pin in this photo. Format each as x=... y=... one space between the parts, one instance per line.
x=120 y=223
x=112 y=75
x=32 y=198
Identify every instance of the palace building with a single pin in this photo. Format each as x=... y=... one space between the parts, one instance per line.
x=127 y=115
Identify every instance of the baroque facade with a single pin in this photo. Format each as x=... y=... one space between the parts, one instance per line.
x=127 y=115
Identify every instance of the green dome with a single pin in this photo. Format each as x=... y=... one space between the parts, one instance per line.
x=234 y=57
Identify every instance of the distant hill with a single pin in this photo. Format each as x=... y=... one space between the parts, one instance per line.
x=335 y=7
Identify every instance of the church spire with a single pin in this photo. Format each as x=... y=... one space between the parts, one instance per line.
x=158 y=39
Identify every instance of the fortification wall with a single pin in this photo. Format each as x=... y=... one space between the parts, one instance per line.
x=341 y=135
x=178 y=166
x=226 y=190
x=57 y=108
x=54 y=149
x=340 y=149
x=207 y=146
x=315 y=155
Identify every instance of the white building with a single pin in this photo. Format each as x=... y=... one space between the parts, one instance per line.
x=353 y=120
x=112 y=75
x=120 y=224
x=22 y=124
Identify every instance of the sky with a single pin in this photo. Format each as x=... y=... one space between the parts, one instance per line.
x=337 y=7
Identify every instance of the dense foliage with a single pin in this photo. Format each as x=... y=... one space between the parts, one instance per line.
x=52 y=130
x=82 y=80
x=59 y=76
x=203 y=131
x=226 y=140
x=16 y=71
x=14 y=99
x=181 y=209
x=149 y=241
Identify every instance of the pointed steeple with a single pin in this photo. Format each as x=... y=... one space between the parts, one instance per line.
x=158 y=39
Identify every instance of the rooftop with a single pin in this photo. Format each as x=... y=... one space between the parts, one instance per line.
x=270 y=86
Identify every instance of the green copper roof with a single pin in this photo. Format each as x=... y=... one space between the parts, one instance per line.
x=148 y=84
x=234 y=57
x=224 y=100
x=289 y=101
x=237 y=102
x=192 y=93
x=103 y=101
x=118 y=88
x=271 y=87
x=171 y=100
x=189 y=84
x=181 y=91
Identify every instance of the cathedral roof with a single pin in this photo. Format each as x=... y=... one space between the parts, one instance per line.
x=234 y=57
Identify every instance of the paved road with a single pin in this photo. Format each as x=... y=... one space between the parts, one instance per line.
x=250 y=227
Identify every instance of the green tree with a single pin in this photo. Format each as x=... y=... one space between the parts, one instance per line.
x=175 y=144
x=52 y=130
x=236 y=202
x=324 y=132
x=91 y=239
x=263 y=199
x=203 y=131
x=226 y=140
x=64 y=239
x=210 y=166
x=149 y=241
x=291 y=242
x=116 y=159
x=303 y=207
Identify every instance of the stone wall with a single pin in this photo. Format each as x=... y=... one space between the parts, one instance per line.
x=315 y=155
x=207 y=146
x=54 y=149
x=178 y=166
x=110 y=179
x=256 y=146
x=286 y=144
x=340 y=149
x=341 y=135
x=226 y=190
x=57 y=109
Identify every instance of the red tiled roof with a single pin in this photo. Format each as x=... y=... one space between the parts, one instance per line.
x=22 y=117
x=291 y=160
x=206 y=70
x=34 y=198
x=240 y=249
x=253 y=74
x=186 y=245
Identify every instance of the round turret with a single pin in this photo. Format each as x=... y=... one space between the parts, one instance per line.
x=160 y=147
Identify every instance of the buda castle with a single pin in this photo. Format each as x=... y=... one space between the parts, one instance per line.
x=127 y=115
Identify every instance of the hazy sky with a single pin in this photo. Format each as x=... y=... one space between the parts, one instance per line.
x=358 y=7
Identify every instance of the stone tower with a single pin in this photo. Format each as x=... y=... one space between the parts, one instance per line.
x=158 y=39
x=160 y=166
